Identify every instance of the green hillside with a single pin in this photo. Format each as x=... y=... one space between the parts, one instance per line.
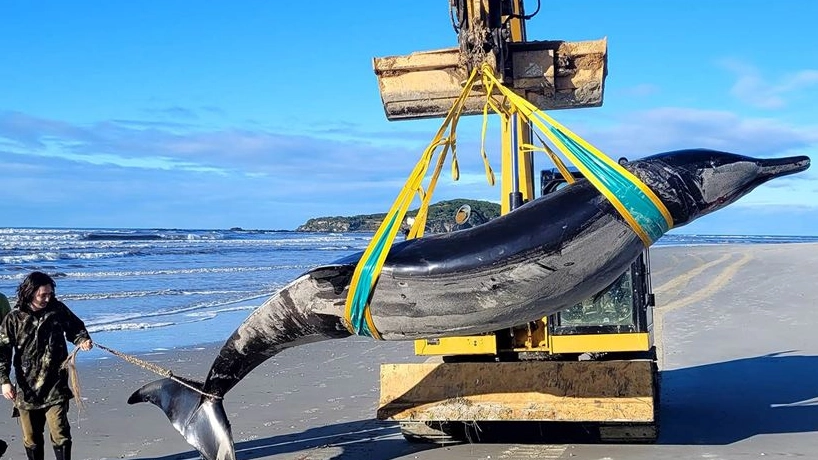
x=441 y=218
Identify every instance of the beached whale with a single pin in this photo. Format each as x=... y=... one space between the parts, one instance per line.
x=539 y=259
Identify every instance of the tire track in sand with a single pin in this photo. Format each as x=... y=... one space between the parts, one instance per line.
x=677 y=283
x=673 y=287
x=671 y=266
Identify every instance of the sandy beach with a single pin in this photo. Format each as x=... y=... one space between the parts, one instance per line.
x=735 y=327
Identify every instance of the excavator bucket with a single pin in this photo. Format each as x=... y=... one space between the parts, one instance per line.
x=550 y=74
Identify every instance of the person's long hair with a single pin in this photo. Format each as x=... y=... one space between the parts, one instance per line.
x=30 y=285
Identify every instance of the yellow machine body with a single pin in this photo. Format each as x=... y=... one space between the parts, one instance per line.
x=552 y=344
x=531 y=372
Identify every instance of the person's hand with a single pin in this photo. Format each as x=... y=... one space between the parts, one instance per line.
x=86 y=345
x=8 y=391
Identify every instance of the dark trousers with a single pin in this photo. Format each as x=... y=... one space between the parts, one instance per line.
x=33 y=424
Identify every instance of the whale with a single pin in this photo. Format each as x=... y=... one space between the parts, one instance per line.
x=536 y=260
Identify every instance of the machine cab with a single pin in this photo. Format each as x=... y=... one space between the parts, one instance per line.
x=623 y=309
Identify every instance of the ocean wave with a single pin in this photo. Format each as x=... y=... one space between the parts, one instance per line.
x=163 y=272
x=204 y=306
x=131 y=325
x=127 y=326
x=32 y=252
x=184 y=271
x=137 y=294
x=125 y=235
x=224 y=310
x=54 y=233
x=55 y=256
x=691 y=239
x=150 y=236
x=120 y=237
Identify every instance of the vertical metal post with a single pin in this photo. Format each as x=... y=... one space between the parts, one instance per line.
x=515 y=197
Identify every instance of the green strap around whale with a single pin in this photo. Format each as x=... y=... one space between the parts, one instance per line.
x=357 y=315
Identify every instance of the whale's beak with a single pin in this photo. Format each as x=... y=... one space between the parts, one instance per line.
x=779 y=167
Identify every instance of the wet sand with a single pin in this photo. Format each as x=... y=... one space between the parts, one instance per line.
x=738 y=352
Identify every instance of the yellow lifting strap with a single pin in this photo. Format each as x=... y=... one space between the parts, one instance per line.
x=357 y=314
x=636 y=203
x=564 y=171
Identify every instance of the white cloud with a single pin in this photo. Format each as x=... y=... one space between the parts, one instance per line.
x=258 y=178
x=668 y=128
x=754 y=89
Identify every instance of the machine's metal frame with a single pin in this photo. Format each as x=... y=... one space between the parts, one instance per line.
x=547 y=370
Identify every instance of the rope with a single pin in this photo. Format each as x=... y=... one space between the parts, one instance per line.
x=139 y=362
x=156 y=369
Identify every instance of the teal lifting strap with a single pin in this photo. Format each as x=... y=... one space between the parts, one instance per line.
x=363 y=288
x=641 y=207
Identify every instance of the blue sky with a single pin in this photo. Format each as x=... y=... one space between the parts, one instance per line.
x=262 y=114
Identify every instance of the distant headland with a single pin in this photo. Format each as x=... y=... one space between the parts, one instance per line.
x=441 y=218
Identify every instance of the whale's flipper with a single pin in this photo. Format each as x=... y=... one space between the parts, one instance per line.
x=200 y=419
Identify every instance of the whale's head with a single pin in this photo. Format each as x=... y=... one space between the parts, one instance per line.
x=692 y=183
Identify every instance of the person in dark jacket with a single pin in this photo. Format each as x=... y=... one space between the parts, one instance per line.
x=5 y=308
x=33 y=339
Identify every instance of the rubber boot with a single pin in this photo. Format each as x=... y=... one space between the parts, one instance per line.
x=63 y=452
x=35 y=453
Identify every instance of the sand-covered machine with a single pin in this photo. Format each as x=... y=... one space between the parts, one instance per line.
x=552 y=74
x=593 y=364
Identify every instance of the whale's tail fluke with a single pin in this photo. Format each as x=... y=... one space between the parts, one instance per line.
x=200 y=419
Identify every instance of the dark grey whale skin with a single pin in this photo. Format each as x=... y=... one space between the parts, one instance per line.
x=539 y=259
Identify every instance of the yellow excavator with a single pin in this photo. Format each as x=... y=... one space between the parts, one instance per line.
x=592 y=365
